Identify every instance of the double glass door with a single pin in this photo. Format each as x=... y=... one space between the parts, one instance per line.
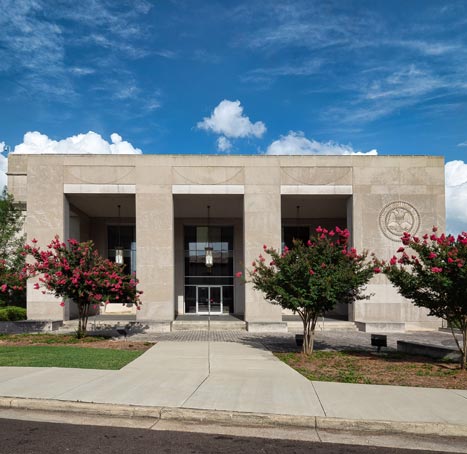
x=209 y=299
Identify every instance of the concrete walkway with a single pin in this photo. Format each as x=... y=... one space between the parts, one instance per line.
x=241 y=379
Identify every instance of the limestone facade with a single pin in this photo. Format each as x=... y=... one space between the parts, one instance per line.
x=257 y=197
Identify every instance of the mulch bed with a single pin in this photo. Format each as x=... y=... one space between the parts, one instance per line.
x=384 y=369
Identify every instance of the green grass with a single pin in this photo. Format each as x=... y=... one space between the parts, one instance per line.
x=81 y=358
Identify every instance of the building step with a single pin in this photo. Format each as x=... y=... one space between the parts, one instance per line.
x=202 y=325
x=327 y=325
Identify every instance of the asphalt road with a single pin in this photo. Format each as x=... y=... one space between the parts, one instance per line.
x=24 y=437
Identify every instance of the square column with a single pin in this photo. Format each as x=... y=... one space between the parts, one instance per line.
x=262 y=225
x=393 y=195
x=47 y=216
x=155 y=252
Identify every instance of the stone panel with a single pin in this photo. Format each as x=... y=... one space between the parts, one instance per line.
x=207 y=175
x=318 y=175
x=99 y=174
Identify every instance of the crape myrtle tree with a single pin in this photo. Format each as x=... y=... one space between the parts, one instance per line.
x=12 y=277
x=432 y=272
x=76 y=271
x=310 y=279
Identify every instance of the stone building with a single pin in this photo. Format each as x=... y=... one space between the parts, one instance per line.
x=164 y=210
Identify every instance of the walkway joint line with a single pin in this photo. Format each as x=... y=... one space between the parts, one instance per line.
x=319 y=400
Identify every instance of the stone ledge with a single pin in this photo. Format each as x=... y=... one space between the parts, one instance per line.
x=30 y=326
x=381 y=327
x=432 y=351
x=266 y=327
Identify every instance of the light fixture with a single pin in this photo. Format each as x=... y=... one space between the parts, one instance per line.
x=119 y=248
x=297 y=224
x=209 y=259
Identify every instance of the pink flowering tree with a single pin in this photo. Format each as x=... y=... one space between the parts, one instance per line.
x=12 y=278
x=77 y=271
x=432 y=272
x=12 y=283
x=310 y=279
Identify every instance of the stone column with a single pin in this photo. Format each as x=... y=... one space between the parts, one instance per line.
x=46 y=211
x=155 y=246
x=262 y=225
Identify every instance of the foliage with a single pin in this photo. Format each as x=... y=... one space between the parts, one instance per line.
x=12 y=278
x=12 y=314
x=79 y=273
x=434 y=276
x=310 y=279
x=58 y=356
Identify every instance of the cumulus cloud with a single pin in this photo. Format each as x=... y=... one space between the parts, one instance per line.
x=456 y=196
x=89 y=143
x=295 y=143
x=223 y=144
x=3 y=167
x=228 y=119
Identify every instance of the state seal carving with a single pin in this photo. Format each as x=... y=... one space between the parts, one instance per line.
x=397 y=218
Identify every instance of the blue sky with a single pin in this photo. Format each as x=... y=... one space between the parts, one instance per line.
x=318 y=77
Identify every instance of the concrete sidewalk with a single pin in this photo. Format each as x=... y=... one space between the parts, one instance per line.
x=232 y=383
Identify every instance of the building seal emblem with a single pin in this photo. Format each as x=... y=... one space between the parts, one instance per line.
x=399 y=217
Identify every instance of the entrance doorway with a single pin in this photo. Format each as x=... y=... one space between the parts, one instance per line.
x=209 y=300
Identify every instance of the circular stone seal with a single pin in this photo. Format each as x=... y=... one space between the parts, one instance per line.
x=398 y=217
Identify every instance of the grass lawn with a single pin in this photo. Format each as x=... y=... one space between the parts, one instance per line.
x=64 y=356
x=386 y=369
x=61 y=350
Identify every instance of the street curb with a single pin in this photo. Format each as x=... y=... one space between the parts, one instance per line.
x=221 y=417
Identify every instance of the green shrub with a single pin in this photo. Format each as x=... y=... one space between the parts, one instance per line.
x=12 y=314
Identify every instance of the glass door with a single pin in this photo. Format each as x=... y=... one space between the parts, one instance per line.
x=209 y=300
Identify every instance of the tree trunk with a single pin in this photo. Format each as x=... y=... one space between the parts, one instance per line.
x=462 y=348
x=83 y=313
x=464 y=343
x=309 y=324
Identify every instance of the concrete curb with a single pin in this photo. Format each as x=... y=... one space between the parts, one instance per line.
x=220 y=417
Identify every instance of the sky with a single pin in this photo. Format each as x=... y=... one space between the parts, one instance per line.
x=238 y=77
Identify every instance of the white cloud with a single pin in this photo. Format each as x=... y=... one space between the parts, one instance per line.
x=228 y=119
x=3 y=167
x=89 y=143
x=462 y=144
x=223 y=144
x=295 y=143
x=456 y=196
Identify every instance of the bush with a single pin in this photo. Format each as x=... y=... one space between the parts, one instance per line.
x=12 y=314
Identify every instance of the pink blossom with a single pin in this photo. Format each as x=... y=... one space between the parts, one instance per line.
x=436 y=269
x=401 y=249
x=432 y=255
x=377 y=269
x=62 y=303
x=3 y=288
x=238 y=274
x=264 y=247
x=311 y=272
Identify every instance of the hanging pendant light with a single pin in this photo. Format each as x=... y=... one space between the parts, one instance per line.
x=119 y=248
x=209 y=258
